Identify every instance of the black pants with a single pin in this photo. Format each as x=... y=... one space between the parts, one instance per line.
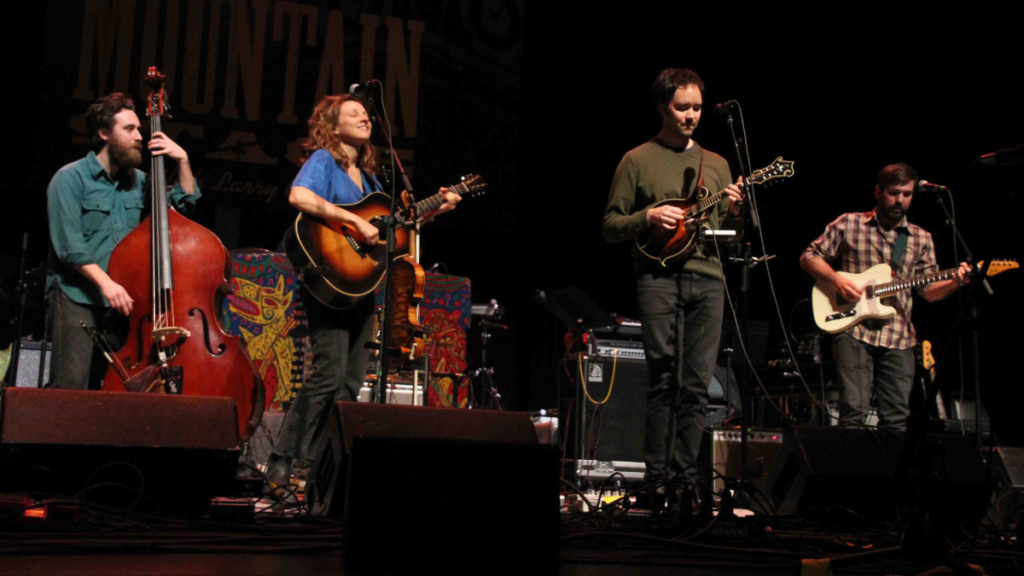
x=682 y=324
x=338 y=340
x=77 y=364
x=861 y=367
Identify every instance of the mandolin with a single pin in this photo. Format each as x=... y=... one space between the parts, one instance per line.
x=340 y=268
x=666 y=246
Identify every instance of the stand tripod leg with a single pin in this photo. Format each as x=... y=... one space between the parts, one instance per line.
x=493 y=390
x=425 y=383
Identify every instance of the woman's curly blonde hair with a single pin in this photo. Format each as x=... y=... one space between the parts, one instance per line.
x=321 y=134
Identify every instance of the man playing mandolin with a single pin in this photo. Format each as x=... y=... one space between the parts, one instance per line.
x=680 y=302
x=338 y=170
x=93 y=204
x=879 y=352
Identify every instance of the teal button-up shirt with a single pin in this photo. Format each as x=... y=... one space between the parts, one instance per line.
x=89 y=214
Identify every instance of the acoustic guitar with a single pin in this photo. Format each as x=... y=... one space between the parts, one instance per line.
x=835 y=314
x=666 y=246
x=339 y=268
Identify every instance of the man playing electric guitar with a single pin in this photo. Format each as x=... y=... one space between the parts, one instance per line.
x=879 y=352
x=680 y=302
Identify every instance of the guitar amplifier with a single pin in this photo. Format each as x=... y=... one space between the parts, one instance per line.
x=623 y=349
x=722 y=450
x=611 y=438
x=398 y=393
x=611 y=434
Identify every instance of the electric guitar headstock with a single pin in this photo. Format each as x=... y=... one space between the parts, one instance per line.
x=778 y=169
x=997 y=266
x=927 y=359
x=469 y=186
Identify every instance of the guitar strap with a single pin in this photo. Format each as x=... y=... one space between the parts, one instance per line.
x=899 y=250
x=700 y=173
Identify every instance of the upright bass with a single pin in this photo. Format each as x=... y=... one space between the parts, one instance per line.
x=177 y=272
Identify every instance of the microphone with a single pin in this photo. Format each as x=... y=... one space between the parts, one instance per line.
x=926 y=186
x=1002 y=157
x=723 y=108
x=360 y=89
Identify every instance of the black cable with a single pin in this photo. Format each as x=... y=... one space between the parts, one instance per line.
x=739 y=336
x=142 y=480
x=591 y=509
x=600 y=494
x=767 y=267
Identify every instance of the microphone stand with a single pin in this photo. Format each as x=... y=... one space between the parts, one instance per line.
x=916 y=448
x=21 y=290
x=383 y=365
x=744 y=296
x=971 y=313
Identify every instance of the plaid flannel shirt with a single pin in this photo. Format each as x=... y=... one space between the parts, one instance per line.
x=860 y=242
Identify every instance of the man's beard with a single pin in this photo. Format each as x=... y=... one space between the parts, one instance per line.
x=892 y=213
x=125 y=156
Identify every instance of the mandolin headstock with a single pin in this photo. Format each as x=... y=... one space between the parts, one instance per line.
x=778 y=169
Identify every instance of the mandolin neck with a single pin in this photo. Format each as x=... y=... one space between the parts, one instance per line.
x=709 y=202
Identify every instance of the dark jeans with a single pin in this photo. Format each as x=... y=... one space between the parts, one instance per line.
x=77 y=364
x=682 y=324
x=338 y=340
x=859 y=366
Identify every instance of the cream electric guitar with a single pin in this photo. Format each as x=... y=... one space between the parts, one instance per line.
x=835 y=314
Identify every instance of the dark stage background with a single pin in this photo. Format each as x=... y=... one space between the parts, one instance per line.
x=544 y=103
x=842 y=90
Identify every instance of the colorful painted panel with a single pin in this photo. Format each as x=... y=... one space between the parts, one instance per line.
x=445 y=313
x=264 y=309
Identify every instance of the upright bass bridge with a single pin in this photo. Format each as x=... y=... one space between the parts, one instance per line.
x=170 y=336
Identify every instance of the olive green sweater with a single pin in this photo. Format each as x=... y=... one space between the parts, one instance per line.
x=653 y=172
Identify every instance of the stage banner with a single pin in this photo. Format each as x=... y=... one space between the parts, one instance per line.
x=243 y=77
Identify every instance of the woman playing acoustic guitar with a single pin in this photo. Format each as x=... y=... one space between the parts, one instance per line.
x=338 y=169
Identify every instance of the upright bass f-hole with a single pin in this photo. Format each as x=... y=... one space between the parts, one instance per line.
x=206 y=332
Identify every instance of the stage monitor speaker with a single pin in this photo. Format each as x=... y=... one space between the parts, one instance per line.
x=1008 y=501
x=437 y=490
x=154 y=453
x=827 y=468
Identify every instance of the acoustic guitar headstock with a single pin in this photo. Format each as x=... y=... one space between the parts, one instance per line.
x=470 y=185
